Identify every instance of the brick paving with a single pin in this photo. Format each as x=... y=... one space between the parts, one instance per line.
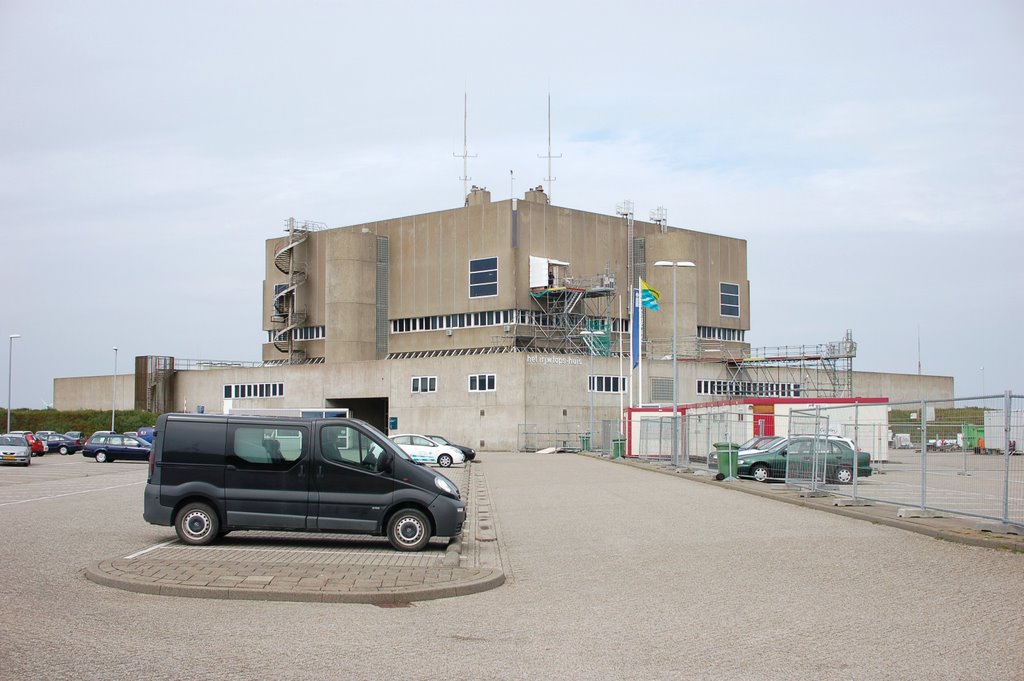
x=321 y=567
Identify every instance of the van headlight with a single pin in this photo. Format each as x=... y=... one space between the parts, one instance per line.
x=446 y=487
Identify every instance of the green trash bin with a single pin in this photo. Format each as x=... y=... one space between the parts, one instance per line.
x=728 y=462
x=585 y=442
x=618 y=448
x=719 y=448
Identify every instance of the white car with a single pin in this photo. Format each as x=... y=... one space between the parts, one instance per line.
x=422 y=449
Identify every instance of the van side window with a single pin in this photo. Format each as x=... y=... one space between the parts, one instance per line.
x=267 y=446
x=194 y=442
x=344 y=444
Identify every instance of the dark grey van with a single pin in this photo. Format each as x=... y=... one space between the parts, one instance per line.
x=209 y=475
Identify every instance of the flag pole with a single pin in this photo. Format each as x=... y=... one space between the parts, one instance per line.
x=640 y=346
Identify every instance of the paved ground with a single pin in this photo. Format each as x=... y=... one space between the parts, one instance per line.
x=611 y=572
x=331 y=568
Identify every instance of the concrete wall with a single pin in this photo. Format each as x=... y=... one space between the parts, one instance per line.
x=94 y=392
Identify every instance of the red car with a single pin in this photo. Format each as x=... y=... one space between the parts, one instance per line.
x=37 y=445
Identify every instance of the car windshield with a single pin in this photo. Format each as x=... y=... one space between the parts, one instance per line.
x=12 y=440
x=438 y=439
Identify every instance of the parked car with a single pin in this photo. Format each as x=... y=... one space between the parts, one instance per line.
x=42 y=434
x=109 y=447
x=756 y=442
x=146 y=433
x=805 y=456
x=38 y=448
x=76 y=435
x=15 y=449
x=467 y=452
x=424 y=450
x=63 y=444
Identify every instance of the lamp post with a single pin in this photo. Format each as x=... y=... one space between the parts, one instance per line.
x=10 y=354
x=675 y=265
x=113 y=393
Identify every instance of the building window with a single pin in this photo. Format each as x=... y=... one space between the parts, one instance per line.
x=242 y=390
x=747 y=389
x=424 y=384
x=730 y=297
x=481 y=383
x=483 y=277
x=606 y=384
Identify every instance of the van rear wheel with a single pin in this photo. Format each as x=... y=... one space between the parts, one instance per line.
x=197 y=524
x=409 y=530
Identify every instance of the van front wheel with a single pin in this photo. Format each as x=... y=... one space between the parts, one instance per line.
x=409 y=530
x=197 y=524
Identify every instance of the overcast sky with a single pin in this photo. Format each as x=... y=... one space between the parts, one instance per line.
x=871 y=153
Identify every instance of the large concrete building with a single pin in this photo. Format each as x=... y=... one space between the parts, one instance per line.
x=493 y=319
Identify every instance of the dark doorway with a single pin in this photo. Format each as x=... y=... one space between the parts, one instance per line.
x=373 y=410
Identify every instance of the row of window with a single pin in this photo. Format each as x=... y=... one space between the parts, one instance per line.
x=470 y=320
x=244 y=390
x=302 y=333
x=454 y=321
x=718 y=333
x=486 y=383
x=478 y=383
x=748 y=388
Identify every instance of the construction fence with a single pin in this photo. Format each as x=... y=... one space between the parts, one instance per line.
x=958 y=457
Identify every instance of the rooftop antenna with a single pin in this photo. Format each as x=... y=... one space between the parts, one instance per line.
x=659 y=216
x=465 y=149
x=550 y=178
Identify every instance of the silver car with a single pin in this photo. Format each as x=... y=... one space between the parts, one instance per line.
x=15 y=449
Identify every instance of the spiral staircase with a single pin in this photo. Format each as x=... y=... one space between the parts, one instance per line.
x=288 y=315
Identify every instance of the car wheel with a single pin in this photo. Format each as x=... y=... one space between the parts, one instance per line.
x=101 y=457
x=28 y=462
x=844 y=476
x=408 y=530
x=64 y=450
x=197 y=524
x=760 y=472
x=444 y=461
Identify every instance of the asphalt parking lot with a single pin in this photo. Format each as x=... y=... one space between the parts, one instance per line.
x=611 y=571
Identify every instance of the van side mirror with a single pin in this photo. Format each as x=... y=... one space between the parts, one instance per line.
x=384 y=461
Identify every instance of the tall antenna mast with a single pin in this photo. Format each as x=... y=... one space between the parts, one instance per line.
x=550 y=178
x=465 y=148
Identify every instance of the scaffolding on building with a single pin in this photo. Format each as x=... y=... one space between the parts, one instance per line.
x=823 y=370
x=571 y=315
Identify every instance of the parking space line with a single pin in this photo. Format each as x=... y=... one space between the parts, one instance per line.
x=69 y=494
x=151 y=548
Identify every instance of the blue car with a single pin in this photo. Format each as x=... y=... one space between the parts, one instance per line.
x=109 y=447
x=63 y=444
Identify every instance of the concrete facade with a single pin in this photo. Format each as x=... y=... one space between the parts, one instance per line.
x=383 y=303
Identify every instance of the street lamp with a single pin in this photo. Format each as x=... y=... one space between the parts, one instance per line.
x=675 y=265
x=113 y=393
x=10 y=354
